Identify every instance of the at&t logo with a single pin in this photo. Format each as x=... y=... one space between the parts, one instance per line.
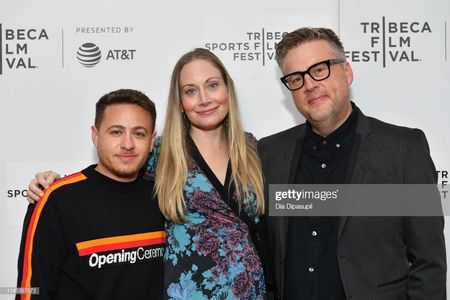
x=89 y=54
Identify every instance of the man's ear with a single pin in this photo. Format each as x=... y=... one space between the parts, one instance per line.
x=348 y=72
x=94 y=135
x=153 y=141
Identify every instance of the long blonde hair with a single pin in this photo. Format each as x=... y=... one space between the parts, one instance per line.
x=173 y=160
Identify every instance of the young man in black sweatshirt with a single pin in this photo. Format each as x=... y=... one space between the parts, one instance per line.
x=99 y=234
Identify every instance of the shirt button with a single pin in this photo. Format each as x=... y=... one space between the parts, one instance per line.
x=324 y=166
x=311 y=269
x=324 y=142
x=314 y=233
x=338 y=145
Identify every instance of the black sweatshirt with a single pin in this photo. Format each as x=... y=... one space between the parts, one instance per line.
x=91 y=237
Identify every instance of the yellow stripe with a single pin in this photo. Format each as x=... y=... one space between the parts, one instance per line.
x=120 y=239
x=42 y=203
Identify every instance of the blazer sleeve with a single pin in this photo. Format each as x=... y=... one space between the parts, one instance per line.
x=41 y=251
x=424 y=236
x=266 y=248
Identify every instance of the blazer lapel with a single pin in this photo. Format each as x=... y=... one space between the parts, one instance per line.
x=293 y=153
x=359 y=158
x=295 y=156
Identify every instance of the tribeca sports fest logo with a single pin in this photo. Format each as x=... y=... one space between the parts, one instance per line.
x=89 y=54
x=17 y=45
x=255 y=46
x=391 y=42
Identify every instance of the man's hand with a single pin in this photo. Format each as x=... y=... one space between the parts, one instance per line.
x=40 y=183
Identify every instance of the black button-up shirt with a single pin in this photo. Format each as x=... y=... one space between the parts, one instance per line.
x=311 y=268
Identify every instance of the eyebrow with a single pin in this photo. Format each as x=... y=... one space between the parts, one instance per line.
x=207 y=80
x=214 y=77
x=123 y=127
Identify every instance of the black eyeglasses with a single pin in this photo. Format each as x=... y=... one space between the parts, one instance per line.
x=320 y=71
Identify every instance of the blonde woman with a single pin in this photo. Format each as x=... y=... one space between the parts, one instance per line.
x=209 y=186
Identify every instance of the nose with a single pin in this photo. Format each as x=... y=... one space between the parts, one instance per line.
x=127 y=142
x=203 y=96
x=309 y=83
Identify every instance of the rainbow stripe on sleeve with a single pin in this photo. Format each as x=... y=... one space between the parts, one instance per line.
x=27 y=264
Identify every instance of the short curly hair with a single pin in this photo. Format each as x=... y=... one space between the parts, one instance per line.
x=307 y=34
x=124 y=96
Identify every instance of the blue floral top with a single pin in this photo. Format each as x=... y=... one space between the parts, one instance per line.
x=211 y=256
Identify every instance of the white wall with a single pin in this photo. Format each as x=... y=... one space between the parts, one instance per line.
x=47 y=97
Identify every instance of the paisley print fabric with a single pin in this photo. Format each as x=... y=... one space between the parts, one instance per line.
x=211 y=256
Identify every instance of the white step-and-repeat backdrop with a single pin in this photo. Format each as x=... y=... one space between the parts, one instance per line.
x=399 y=51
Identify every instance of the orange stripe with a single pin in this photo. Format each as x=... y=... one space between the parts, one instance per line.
x=27 y=265
x=120 y=239
x=125 y=245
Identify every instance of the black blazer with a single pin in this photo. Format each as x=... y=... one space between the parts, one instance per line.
x=379 y=257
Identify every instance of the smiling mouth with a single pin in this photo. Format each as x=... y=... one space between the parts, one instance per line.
x=126 y=157
x=207 y=111
x=316 y=100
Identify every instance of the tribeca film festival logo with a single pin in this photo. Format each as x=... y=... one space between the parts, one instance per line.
x=390 y=42
x=16 y=46
x=443 y=183
x=89 y=54
x=256 y=46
